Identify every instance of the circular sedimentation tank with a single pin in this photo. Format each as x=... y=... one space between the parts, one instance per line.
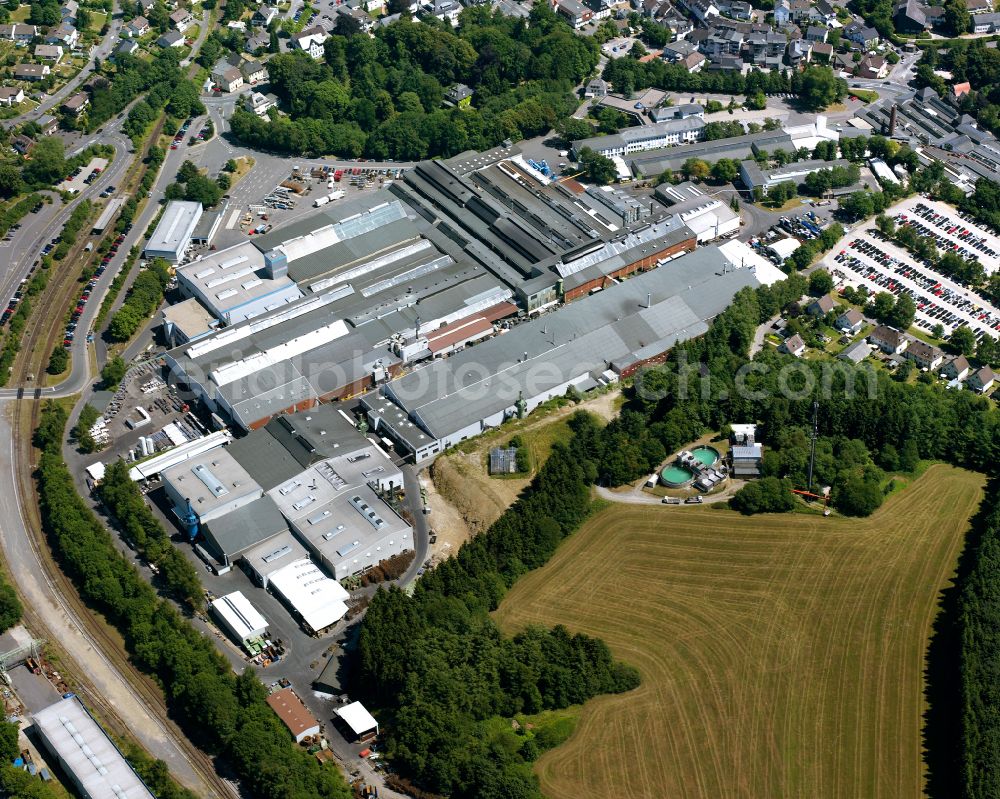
x=707 y=455
x=676 y=476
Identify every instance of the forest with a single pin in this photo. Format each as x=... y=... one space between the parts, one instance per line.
x=223 y=713
x=382 y=97
x=438 y=667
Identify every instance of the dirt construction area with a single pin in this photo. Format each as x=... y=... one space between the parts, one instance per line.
x=781 y=655
x=465 y=500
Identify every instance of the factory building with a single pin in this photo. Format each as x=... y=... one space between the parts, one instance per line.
x=417 y=271
x=706 y=217
x=300 y=722
x=85 y=753
x=208 y=487
x=601 y=338
x=233 y=284
x=173 y=233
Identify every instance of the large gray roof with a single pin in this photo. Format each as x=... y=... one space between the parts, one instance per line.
x=612 y=327
x=246 y=527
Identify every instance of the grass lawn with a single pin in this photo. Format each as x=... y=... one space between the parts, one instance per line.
x=781 y=656
x=97 y=20
x=21 y=15
x=864 y=95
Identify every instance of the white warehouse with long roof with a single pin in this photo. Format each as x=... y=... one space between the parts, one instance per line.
x=85 y=752
x=173 y=234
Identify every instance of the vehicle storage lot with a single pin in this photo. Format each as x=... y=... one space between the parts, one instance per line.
x=864 y=257
x=951 y=229
x=83 y=176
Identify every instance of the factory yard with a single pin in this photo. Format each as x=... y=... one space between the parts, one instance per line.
x=780 y=655
x=864 y=257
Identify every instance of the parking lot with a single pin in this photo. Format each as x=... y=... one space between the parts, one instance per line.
x=83 y=176
x=866 y=258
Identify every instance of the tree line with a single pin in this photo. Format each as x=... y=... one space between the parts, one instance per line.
x=142 y=301
x=223 y=713
x=441 y=673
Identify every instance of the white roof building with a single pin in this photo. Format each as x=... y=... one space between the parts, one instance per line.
x=740 y=255
x=783 y=248
x=86 y=753
x=318 y=600
x=241 y=619
x=214 y=482
x=173 y=234
x=358 y=720
x=234 y=285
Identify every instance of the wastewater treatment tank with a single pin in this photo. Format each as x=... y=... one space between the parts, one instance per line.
x=676 y=476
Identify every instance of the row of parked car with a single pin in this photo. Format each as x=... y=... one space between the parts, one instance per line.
x=81 y=303
x=943 y=305
x=965 y=234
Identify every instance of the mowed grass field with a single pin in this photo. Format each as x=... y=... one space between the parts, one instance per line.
x=782 y=656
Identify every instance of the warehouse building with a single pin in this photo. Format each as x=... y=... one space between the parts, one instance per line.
x=753 y=176
x=173 y=233
x=85 y=753
x=239 y=618
x=645 y=137
x=213 y=483
x=300 y=722
x=316 y=600
x=108 y=214
x=707 y=217
x=234 y=285
x=229 y=536
x=358 y=724
x=615 y=331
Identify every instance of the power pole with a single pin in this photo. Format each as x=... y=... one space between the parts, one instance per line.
x=812 y=443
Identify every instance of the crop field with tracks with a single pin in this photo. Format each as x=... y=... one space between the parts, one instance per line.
x=781 y=655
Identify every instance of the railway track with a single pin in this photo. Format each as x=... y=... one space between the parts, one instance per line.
x=43 y=332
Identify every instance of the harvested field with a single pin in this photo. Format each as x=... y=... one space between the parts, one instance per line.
x=781 y=656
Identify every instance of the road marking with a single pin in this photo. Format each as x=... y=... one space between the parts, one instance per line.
x=232 y=219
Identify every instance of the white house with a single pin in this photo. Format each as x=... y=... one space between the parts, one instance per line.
x=182 y=19
x=888 y=339
x=311 y=41
x=137 y=27
x=982 y=381
x=11 y=95
x=793 y=345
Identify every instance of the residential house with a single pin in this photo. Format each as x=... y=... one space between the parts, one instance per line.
x=986 y=23
x=799 y=51
x=147 y=5
x=18 y=32
x=695 y=62
x=888 y=339
x=850 y=321
x=253 y=71
x=602 y=9
x=826 y=12
x=126 y=47
x=821 y=306
x=844 y=63
x=48 y=123
x=458 y=96
x=264 y=15
x=677 y=51
x=137 y=27
x=49 y=52
x=680 y=26
x=260 y=41
x=782 y=13
x=226 y=77
x=182 y=19
x=11 y=95
x=873 y=67
x=311 y=41
x=64 y=34
x=76 y=104
x=597 y=88
x=68 y=11
x=445 y=10
x=822 y=52
x=861 y=35
x=576 y=13
x=259 y=104
x=23 y=144
x=978 y=6
x=982 y=381
x=909 y=17
x=703 y=10
x=793 y=345
x=815 y=33
x=957 y=368
x=172 y=38
x=31 y=72
x=959 y=90
x=924 y=355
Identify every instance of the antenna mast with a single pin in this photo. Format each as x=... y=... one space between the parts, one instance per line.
x=812 y=444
